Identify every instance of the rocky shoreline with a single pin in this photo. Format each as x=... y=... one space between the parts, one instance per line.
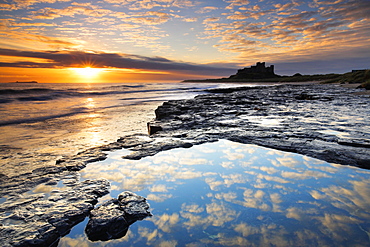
x=321 y=121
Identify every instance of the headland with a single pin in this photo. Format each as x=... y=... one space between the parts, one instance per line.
x=262 y=74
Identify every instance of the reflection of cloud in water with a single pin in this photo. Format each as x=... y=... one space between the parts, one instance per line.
x=317 y=195
x=158 y=188
x=229 y=197
x=213 y=183
x=244 y=196
x=192 y=208
x=286 y=161
x=299 y=213
x=273 y=178
x=189 y=161
x=334 y=225
x=227 y=164
x=82 y=241
x=166 y=222
x=276 y=198
x=149 y=234
x=231 y=179
x=233 y=156
x=216 y=215
x=265 y=235
x=250 y=161
x=304 y=175
x=269 y=170
x=187 y=158
x=355 y=199
x=158 y=197
x=208 y=150
x=42 y=188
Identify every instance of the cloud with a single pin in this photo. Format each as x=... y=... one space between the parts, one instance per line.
x=149 y=18
x=145 y=4
x=293 y=30
x=20 y=4
x=63 y=59
x=234 y=3
x=33 y=24
x=206 y=9
x=71 y=11
x=211 y=19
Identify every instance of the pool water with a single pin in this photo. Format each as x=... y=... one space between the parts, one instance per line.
x=232 y=194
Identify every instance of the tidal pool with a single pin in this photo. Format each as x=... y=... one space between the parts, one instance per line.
x=232 y=194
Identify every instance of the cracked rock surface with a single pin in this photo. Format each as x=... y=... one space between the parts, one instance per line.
x=112 y=219
x=327 y=122
x=39 y=220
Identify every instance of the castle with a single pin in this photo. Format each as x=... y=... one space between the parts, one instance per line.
x=259 y=71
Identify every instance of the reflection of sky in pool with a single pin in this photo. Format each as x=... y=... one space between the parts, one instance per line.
x=231 y=194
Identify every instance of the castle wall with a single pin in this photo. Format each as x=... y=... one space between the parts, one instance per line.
x=258 y=68
x=257 y=71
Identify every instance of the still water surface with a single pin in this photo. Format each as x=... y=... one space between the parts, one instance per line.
x=231 y=194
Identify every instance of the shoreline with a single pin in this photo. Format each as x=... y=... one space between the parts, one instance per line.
x=237 y=115
x=176 y=118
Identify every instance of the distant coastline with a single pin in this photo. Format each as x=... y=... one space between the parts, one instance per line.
x=262 y=74
x=24 y=82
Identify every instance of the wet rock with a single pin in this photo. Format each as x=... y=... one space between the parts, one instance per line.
x=152 y=129
x=38 y=220
x=364 y=163
x=150 y=149
x=355 y=143
x=112 y=219
x=306 y=119
x=305 y=96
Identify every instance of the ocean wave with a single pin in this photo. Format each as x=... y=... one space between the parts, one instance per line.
x=8 y=95
x=24 y=91
x=37 y=98
x=44 y=118
x=3 y=101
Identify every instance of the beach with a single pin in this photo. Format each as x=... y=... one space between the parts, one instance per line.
x=194 y=172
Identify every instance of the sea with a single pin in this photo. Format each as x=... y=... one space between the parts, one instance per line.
x=41 y=122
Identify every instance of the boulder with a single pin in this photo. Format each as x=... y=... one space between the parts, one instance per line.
x=153 y=129
x=112 y=219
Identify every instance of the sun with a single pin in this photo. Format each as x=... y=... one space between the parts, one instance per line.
x=87 y=72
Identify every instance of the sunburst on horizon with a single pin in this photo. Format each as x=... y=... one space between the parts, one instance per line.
x=87 y=72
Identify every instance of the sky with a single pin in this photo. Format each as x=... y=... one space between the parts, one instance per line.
x=174 y=40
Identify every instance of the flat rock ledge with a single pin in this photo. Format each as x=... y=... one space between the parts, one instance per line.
x=112 y=219
x=327 y=122
x=40 y=220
